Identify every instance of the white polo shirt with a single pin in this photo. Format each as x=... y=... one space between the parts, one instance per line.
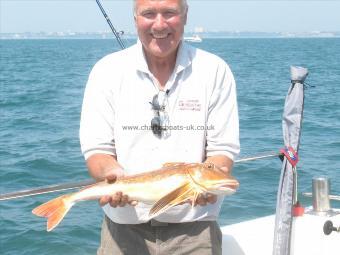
x=202 y=114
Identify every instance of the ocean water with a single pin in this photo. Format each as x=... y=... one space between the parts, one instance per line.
x=42 y=84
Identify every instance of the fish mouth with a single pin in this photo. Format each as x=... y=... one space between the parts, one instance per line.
x=224 y=188
x=233 y=185
x=223 y=191
x=229 y=187
x=229 y=183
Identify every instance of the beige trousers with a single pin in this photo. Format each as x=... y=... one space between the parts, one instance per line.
x=156 y=238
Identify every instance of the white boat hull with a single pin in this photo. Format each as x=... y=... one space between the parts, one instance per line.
x=255 y=237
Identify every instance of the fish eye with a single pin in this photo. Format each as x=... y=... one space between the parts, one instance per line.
x=210 y=165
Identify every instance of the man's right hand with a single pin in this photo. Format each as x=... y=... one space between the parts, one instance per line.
x=117 y=199
x=105 y=167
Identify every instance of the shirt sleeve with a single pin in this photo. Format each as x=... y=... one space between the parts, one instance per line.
x=97 y=117
x=223 y=120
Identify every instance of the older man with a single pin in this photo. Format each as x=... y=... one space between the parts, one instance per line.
x=159 y=101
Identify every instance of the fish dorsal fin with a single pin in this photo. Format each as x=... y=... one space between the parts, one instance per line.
x=175 y=197
x=172 y=164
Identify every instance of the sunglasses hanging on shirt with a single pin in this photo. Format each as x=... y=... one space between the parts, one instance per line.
x=160 y=121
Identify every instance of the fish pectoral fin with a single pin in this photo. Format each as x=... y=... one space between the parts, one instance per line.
x=175 y=197
x=194 y=199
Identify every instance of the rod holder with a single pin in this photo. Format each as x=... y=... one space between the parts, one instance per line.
x=321 y=187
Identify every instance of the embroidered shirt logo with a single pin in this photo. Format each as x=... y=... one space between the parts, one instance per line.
x=189 y=105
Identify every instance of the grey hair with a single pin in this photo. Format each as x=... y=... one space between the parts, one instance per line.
x=184 y=6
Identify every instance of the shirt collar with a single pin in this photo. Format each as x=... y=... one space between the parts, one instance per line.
x=141 y=64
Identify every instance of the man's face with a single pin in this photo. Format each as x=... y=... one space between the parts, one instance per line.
x=160 y=26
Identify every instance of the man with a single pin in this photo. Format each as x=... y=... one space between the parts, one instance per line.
x=159 y=101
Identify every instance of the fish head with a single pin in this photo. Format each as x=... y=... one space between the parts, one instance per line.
x=212 y=179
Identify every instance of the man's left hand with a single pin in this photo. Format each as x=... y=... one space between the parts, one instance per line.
x=204 y=199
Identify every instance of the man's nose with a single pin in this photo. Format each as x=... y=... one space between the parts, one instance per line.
x=160 y=22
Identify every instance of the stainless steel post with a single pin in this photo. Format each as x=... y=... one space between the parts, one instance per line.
x=321 y=187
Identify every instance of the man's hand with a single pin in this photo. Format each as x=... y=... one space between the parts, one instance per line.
x=117 y=199
x=204 y=199
x=105 y=167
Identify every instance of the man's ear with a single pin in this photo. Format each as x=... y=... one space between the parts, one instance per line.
x=135 y=19
x=185 y=16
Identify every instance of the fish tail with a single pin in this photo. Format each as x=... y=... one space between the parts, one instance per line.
x=54 y=210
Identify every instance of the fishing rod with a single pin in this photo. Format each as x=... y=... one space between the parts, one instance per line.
x=114 y=31
x=259 y=156
x=81 y=184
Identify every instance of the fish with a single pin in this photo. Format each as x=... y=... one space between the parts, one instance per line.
x=174 y=183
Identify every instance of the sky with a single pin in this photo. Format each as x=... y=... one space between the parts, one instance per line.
x=223 y=15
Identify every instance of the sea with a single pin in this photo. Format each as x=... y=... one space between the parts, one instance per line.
x=42 y=86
